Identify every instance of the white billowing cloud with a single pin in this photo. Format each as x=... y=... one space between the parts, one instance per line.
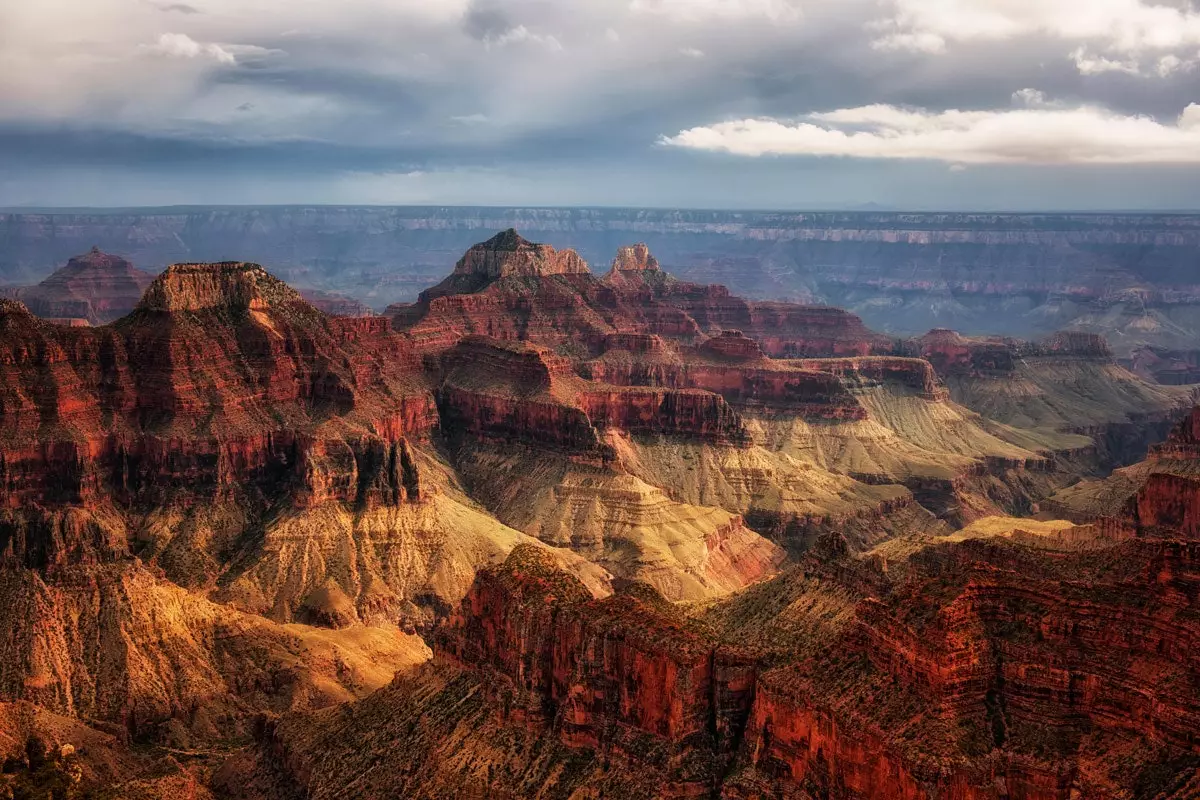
x=702 y=10
x=522 y=35
x=180 y=45
x=1089 y=64
x=691 y=52
x=1110 y=35
x=1046 y=135
x=1034 y=98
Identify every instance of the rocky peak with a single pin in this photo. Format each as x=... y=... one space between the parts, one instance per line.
x=634 y=258
x=12 y=308
x=1183 y=443
x=231 y=285
x=94 y=287
x=508 y=253
x=635 y=268
x=99 y=260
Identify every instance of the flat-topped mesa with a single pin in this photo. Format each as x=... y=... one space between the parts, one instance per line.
x=1077 y=344
x=788 y=330
x=229 y=285
x=729 y=365
x=510 y=254
x=913 y=373
x=953 y=354
x=503 y=366
x=732 y=345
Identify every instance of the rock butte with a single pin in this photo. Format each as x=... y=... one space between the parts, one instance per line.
x=94 y=288
x=664 y=541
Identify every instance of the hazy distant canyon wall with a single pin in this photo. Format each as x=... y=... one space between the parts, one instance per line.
x=904 y=273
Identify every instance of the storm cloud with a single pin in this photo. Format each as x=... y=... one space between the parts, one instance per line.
x=732 y=103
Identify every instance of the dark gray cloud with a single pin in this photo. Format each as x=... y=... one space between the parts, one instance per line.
x=486 y=21
x=510 y=99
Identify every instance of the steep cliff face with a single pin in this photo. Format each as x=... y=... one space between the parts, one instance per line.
x=229 y=476
x=181 y=487
x=982 y=669
x=628 y=675
x=222 y=378
x=510 y=389
x=95 y=287
x=1159 y=494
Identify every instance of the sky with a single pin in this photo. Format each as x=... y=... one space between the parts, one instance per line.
x=910 y=104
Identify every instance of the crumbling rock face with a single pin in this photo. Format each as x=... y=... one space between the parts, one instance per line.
x=114 y=643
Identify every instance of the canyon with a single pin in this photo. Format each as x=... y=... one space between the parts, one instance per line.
x=539 y=531
x=1129 y=277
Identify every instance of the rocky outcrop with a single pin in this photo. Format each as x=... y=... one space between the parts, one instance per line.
x=986 y=274
x=95 y=287
x=912 y=373
x=512 y=390
x=953 y=354
x=635 y=258
x=506 y=255
x=228 y=286
x=732 y=366
x=221 y=380
x=627 y=674
x=983 y=669
x=1157 y=496
x=1165 y=366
